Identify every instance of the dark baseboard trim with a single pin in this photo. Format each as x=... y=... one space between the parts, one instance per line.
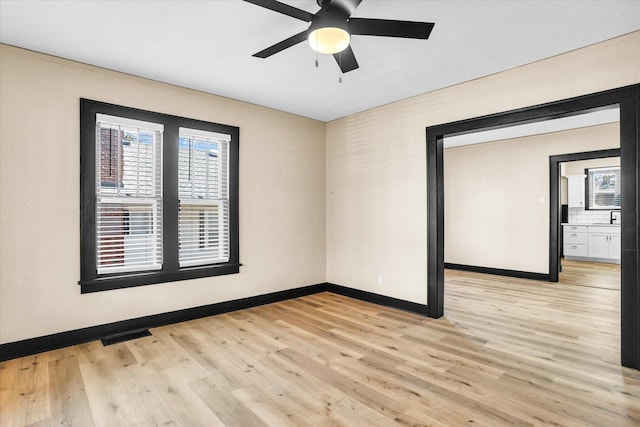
x=413 y=307
x=36 y=345
x=499 y=272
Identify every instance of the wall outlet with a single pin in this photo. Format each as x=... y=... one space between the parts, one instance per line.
x=379 y=279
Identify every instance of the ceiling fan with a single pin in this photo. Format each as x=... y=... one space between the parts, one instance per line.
x=331 y=28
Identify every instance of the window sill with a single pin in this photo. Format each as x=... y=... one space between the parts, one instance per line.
x=129 y=280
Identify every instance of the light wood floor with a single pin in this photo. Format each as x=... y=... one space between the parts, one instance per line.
x=594 y=274
x=508 y=352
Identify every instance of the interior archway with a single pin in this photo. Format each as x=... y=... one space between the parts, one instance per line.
x=627 y=99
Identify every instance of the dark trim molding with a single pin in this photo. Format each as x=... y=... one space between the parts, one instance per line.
x=92 y=333
x=90 y=280
x=555 y=231
x=435 y=223
x=412 y=307
x=36 y=345
x=628 y=99
x=498 y=271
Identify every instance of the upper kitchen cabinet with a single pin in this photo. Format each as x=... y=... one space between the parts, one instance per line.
x=575 y=189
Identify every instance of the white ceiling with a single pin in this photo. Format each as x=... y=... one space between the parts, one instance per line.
x=207 y=45
x=590 y=118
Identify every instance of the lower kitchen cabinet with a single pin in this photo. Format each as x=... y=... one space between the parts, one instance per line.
x=615 y=246
x=575 y=241
x=599 y=245
x=592 y=242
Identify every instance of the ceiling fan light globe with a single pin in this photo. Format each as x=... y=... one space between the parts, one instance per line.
x=329 y=40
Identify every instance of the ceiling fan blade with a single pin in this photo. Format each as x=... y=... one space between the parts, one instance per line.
x=278 y=47
x=390 y=28
x=346 y=60
x=285 y=9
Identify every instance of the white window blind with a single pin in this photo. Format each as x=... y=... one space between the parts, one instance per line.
x=604 y=188
x=129 y=195
x=203 y=190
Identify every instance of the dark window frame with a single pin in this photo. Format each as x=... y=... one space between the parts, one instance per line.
x=90 y=281
x=587 y=198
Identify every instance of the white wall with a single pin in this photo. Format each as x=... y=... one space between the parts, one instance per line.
x=376 y=173
x=282 y=197
x=493 y=213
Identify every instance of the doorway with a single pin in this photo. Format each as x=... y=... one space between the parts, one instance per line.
x=627 y=99
x=555 y=165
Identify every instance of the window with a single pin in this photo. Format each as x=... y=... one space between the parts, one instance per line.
x=159 y=197
x=204 y=199
x=603 y=187
x=128 y=195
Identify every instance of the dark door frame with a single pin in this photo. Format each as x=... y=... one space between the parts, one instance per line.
x=554 y=201
x=628 y=100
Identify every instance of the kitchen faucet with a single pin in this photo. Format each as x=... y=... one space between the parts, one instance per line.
x=611 y=217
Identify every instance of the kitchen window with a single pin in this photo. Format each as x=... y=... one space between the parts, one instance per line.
x=159 y=198
x=603 y=188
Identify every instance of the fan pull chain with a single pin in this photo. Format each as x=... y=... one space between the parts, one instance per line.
x=340 y=66
x=316 y=49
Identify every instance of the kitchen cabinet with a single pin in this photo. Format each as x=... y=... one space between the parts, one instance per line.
x=575 y=240
x=604 y=242
x=615 y=246
x=597 y=242
x=575 y=190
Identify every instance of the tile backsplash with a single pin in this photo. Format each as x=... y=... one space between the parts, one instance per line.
x=581 y=216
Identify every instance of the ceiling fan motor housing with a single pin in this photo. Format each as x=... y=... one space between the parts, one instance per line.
x=344 y=7
x=329 y=31
x=325 y=20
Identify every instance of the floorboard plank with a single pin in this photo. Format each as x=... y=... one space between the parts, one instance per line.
x=508 y=352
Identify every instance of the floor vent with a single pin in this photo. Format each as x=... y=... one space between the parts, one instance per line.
x=127 y=336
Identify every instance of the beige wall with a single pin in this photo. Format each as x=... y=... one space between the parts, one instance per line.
x=282 y=197
x=497 y=197
x=376 y=173
x=367 y=170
